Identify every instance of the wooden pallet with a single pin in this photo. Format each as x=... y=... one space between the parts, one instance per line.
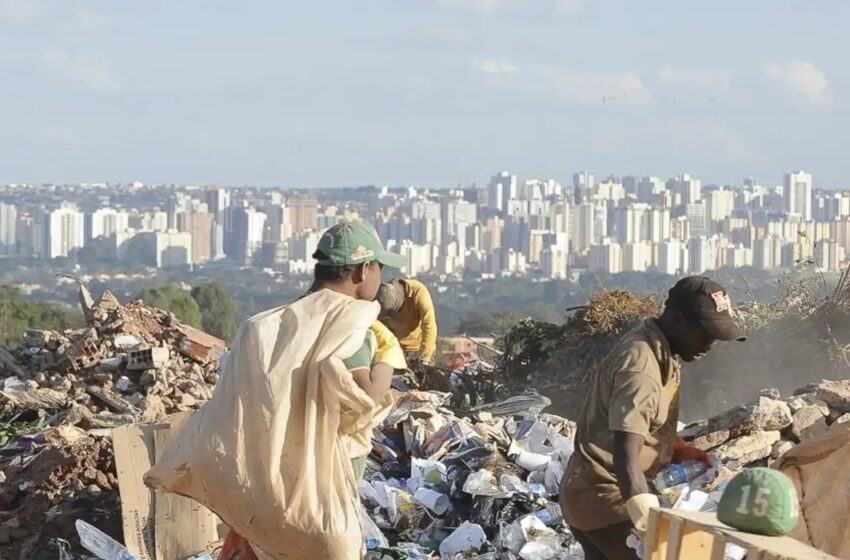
x=689 y=535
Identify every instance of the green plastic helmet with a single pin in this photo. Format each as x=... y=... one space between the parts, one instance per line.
x=762 y=501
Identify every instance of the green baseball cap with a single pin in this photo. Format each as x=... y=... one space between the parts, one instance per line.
x=353 y=243
x=762 y=501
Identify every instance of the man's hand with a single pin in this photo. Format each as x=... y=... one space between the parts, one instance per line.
x=683 y=452
x=638 y=507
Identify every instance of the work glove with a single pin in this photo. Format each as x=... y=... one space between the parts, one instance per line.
x=638 y=507
x=683 y=452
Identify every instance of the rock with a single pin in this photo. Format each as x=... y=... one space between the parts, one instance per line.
x=749 y=448
x=5 y=537
x=807 y=400
x=13 y=523
x=153 y=410
x=836 y=394
x=780 y=448
x=770 y=393
x=843 y=418
x=808 y=423
x=764 y=414
x=188 y=400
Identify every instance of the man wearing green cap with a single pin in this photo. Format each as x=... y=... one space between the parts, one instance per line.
x=349 y=260
x=627 y=428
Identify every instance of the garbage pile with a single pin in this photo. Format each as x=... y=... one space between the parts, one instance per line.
x=130 y=363
x=61 y=393
x=466 y=486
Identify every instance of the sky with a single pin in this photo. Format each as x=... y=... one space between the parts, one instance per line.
x=422 y=92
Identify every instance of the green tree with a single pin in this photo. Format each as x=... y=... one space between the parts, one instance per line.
x=218 y=310
x=490 y=324
x=17 y=315
x=173 y=299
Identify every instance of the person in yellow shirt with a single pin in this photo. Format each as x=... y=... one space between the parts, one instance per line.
x=408 y=311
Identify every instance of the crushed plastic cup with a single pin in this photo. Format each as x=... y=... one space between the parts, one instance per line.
x=481 y=483
x=433 y=501
x=100 y=544
x=467 y=537
x=531 y=461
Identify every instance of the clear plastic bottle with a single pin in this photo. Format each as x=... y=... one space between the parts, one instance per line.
x=674 y=475
x=550 y=515
x=100 y=544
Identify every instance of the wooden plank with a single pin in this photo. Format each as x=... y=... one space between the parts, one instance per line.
x=183 y=527
x=697 y=543
x=675 y=532
x=718 y=547
x=133 y=457
x=651 y=541
x=662 y=537
x=784 y=547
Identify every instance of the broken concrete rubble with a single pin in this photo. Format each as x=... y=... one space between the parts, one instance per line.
x=808 y=423
x=836 y=394
x=750 y=448
x=764 y=414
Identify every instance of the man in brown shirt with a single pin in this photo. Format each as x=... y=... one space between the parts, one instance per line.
x=627 y=427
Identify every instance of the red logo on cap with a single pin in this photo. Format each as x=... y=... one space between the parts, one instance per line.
x=722 y=302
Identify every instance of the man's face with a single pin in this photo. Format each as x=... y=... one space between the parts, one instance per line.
x=369 y=281
x=693 y=341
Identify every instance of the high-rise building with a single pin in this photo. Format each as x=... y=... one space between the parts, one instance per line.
x=583 y=182
x=632 y=223
x=687 y=188
x=248 y=234
x=64 y=231
x=701 y=256
x=797 y=192
x=304 y=212
x=720 y=203
x=555 y=262
x=767 y=252
x=697 y=219
x=637 y=257
x=105 y=222
x=606 y=257
x=583 y=227
x=673 y=257
x=200 y=227
x=8 y=229
x=501 y=190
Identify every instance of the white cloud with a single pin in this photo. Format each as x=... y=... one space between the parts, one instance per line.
x=63 y=137
x=591 y=87
x=558 y=7
x=577 y=86
x=567 y=7
x=494 y=66
x=82 y=18
x=21 y=11
x=79 y=71
x=803 y=79
x=715 y=81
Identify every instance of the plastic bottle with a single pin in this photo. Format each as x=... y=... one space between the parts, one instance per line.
x=673 y=475
x=100 y=544
x=550 y=516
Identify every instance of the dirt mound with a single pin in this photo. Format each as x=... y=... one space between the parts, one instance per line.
x=49 y=488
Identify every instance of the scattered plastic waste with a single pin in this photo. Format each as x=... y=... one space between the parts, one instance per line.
x=100 y=544
x=467 y=537
x=674 y=475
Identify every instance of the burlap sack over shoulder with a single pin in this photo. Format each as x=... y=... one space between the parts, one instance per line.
x=820 y=469
x=269 y=453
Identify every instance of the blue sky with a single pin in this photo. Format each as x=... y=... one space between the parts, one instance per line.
x=424 y=92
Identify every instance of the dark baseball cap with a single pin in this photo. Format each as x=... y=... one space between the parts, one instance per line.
x=708 y=302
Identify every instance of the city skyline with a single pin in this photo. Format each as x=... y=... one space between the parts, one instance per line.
x=511 y=227
x=423 y=92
